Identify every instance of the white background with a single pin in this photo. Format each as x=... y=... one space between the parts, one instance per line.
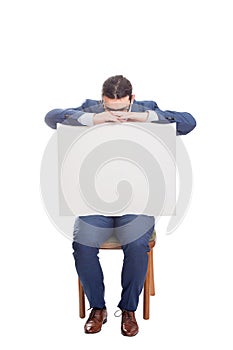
x=57 y=53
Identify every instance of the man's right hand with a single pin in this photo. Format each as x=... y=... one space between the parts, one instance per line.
x=104 y=117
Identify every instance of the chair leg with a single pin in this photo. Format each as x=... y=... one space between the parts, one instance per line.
x=146 y=296
x=82 y=313
x=152 y=281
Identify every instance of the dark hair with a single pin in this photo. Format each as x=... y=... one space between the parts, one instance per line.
x=117 y=87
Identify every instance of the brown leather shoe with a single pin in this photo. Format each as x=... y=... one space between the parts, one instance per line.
x=95 y=321
x=129 y=326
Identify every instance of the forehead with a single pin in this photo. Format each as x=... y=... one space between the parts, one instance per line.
x=111 y=101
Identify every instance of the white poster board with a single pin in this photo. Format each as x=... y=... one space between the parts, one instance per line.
x=116 y=169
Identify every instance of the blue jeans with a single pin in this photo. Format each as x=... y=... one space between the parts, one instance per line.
x=134 y=233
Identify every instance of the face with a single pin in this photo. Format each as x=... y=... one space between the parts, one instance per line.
x=117 y=104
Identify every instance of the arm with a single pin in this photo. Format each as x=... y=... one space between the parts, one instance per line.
x=184 y=121
x=82 y=115
x=150 y=112
x=63 y=116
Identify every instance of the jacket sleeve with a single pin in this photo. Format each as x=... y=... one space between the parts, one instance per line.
x=185 y=122
x=64 y=116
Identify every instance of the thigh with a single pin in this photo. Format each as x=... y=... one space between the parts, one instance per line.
x=130 y=227
x=93 y=230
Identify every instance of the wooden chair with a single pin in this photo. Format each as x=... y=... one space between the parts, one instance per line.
x=149 y=287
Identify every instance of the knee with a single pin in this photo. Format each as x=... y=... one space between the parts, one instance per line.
x=140 y=244
x=82 y=251
x=138 y=247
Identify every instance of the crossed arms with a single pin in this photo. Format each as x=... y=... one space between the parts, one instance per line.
x=92 y=112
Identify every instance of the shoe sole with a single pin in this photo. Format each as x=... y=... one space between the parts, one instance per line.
x=126 y=335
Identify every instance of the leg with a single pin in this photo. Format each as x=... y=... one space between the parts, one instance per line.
x=147 y=286
x=81 y=294
x=90 y=273
x=152 y=281
x=92 y=230
x=135 y=259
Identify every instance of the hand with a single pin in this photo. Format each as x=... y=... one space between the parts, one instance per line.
x=104 y=117
x=131 y=116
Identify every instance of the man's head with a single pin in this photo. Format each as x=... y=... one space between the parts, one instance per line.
x=117 y=93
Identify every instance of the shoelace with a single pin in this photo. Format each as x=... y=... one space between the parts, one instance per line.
x=93 y=311
x=92 y=314
x=119 y=313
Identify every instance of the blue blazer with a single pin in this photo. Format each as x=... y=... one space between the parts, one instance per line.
x=184 y=121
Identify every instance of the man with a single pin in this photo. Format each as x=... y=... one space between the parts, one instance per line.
x=118 y=105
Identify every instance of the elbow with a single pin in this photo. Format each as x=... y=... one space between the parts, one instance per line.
x=192 y=123
x=188 y=126
x=50 y=119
